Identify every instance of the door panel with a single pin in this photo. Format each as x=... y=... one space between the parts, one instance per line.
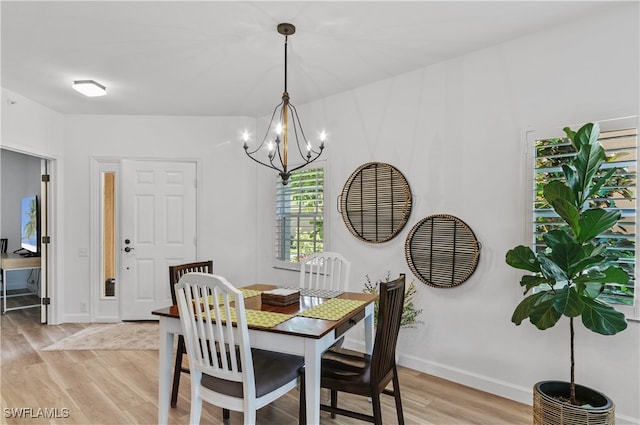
x=159 y=229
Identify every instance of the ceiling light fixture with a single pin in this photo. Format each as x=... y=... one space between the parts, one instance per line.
x=284 y=122
x=89 y=88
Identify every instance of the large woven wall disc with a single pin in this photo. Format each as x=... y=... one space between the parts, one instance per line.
x=375 y=202
x=442 y=251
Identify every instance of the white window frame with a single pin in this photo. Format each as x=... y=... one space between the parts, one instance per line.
x=288 y=265
x=631 y=312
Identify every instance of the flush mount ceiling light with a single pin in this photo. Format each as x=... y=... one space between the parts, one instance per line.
x=89 y=88
x=276 y=150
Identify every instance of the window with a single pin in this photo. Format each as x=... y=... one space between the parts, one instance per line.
x=619 y=193
x=300 y=215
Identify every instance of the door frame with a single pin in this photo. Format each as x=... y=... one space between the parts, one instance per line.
x=97 y=304
x=49 y=270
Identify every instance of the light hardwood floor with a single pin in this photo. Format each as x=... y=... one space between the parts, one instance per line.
x=120 y=387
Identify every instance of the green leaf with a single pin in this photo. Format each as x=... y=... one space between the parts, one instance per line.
x=522 y=257
x=532 y=281
x=525 y=307
x=592 y=289
x=558 y=237
x=602 y=318
x=611 y=274
x=544 y=315
x=572 y=179
x=555 y=190
x=552 y=270
x=595 y=221
x=600 y=182
x=568 y=212
x=568 y=302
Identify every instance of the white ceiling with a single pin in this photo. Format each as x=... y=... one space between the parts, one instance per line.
x=225 y=58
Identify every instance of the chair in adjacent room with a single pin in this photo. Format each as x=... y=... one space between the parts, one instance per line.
x=225 y=370
x=175 y=273
x=325 y=270
x=354 y=372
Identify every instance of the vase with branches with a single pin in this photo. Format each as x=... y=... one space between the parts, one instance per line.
x=410 y=313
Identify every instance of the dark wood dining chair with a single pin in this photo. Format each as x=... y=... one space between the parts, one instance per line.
x=350 y=371
x=175 y=273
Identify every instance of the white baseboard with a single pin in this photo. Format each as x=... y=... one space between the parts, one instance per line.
x=474 y=380
x=76 y=318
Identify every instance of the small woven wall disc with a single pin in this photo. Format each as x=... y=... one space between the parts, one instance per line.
x=442 y=251
x=375 y=202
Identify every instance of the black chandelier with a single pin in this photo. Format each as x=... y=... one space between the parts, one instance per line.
x=284 y=122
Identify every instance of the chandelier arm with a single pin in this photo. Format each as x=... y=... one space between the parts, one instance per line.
x=296 y=124
x=266 y=134
x=304 y=164
x=297 y=118
x=264 y=163
x=271 y=158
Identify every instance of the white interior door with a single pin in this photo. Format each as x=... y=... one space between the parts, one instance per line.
x=158 y=230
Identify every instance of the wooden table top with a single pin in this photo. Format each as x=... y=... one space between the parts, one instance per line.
x=301 y=326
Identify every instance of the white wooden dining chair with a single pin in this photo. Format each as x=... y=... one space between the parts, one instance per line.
x=325 y=270
x=225 y=370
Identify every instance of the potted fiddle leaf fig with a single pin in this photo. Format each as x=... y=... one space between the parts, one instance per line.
x=569 y=276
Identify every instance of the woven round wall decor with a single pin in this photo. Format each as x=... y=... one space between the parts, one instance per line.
x=375 y=202
x=442 y=251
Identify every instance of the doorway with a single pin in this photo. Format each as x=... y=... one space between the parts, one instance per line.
x=145 y=220
x=25 y=223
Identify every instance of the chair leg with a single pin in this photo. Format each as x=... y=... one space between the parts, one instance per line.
x=334 y=402
x=196 y=403
x=177 y=370
x=396 y=394
x=225 y=416
x=302 y=409
x=377 y=410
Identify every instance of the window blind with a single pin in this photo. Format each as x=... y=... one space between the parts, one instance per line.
x=300 y=215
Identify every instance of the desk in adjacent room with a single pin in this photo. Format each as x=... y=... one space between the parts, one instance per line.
x=12 y=262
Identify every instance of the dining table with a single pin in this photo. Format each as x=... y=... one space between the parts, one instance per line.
x=307 y=328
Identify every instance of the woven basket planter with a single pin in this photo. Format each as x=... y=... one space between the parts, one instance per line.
x=548 y=410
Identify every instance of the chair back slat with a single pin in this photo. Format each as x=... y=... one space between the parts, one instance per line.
x=178 y=270
x=215 y=346
x=390 y=306
x=325 y=270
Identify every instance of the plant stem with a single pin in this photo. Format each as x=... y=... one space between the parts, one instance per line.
x=572 y=384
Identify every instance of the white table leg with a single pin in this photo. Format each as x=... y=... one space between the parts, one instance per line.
x=312 y=355
x=164 y=370
x=368 y=329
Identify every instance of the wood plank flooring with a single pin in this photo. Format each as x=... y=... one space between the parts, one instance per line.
x=120 y=387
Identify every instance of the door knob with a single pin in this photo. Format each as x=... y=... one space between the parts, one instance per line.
x=127 y=249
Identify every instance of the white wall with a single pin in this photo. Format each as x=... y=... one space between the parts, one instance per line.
x=227 y=182
x=456 y=131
